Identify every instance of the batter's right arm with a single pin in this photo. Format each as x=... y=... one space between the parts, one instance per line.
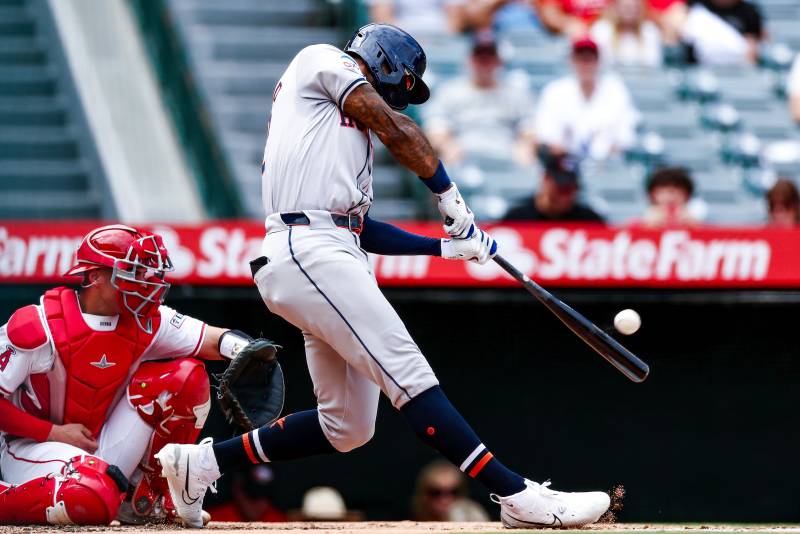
x=408 y=144
x=401 y=135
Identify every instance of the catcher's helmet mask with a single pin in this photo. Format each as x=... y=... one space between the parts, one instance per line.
x=138 y=261
x=396 y=62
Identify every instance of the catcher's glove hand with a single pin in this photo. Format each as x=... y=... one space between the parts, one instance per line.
x=251 y=390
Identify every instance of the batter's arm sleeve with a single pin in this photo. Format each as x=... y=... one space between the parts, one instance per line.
x=383 y=238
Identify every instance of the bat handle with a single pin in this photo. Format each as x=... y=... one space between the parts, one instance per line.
x=510 y=269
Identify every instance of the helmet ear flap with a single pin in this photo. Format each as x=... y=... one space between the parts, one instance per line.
x=395 y=96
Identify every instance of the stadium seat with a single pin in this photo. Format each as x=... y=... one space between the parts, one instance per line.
x=238 y=50
x=45 y=170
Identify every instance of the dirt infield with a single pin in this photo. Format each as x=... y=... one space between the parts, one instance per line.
x=404 y=527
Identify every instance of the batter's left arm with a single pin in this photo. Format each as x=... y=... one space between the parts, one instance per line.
x=389 y=240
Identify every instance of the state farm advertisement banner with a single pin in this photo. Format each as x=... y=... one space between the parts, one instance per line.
x=564 y=255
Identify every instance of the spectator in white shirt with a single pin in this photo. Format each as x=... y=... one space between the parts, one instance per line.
x=723 y=31
x=626 y=38
x=421 y=17
x=588 y=114
x=793 y=89
x=482 y=115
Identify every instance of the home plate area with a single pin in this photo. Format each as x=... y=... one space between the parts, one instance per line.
x=406 y=527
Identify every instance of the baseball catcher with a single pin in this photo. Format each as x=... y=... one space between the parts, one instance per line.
x=93 y=381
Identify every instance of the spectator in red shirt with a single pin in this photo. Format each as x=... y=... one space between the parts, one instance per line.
x=670 y=16
x=783 y=202
x=571 y=17
x=249 y=498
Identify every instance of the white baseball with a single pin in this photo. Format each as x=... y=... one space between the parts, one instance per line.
x=627 y=322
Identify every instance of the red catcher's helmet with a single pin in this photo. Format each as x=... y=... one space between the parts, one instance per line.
x=138 y=261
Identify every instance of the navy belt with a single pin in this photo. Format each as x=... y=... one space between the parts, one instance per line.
x=298 y=218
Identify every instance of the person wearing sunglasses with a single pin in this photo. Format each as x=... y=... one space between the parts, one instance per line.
x=441 y=495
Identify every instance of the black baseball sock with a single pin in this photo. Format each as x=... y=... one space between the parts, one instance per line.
x=439 y=425
x=295 y=436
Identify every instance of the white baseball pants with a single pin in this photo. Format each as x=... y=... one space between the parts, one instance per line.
x=123 y=441
x=320 y=280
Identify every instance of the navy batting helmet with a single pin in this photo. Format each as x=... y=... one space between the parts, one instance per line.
x=396 y=61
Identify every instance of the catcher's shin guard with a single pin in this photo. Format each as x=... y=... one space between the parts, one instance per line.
x=173 y=397
x=88 y=491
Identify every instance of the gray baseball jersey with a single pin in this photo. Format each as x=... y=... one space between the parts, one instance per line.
x=316 y=157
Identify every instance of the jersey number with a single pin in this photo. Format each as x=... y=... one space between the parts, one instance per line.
x=349 y=122
x=277 y=90
x=5 y=357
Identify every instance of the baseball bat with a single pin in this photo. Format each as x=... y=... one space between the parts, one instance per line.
x=606 y=346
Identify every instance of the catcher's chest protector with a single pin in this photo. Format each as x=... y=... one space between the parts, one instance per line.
x=96 y=365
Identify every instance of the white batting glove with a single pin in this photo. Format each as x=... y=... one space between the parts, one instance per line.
x=459 y=219
x=479 y=248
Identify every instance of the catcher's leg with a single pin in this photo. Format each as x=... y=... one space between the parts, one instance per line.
x=170 y=400
x=87 y=491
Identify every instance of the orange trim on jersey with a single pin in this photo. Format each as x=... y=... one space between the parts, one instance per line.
x=248 y=448
x=481 y=464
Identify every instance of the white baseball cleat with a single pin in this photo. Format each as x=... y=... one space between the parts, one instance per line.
x=190 y=470
x=537 y=506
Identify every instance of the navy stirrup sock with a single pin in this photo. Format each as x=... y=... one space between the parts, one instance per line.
x=295 y=436
x=439 y=425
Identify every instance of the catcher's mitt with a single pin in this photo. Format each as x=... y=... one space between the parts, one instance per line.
x=251 y=390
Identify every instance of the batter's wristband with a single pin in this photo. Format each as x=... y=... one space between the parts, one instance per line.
x=439 y=182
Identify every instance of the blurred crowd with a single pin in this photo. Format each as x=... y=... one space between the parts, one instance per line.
x=587 y=114
x=627 y=31
x=440 y=494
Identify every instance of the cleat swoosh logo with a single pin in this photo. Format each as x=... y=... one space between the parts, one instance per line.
x=185 y=493
x=556 y=523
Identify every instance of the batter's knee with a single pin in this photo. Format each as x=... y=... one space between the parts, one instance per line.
x=349 y=434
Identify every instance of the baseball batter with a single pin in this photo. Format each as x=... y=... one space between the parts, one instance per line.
x=317 y=191
x=84 y=404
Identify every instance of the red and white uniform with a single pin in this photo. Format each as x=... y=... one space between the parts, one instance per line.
x=78 y=372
